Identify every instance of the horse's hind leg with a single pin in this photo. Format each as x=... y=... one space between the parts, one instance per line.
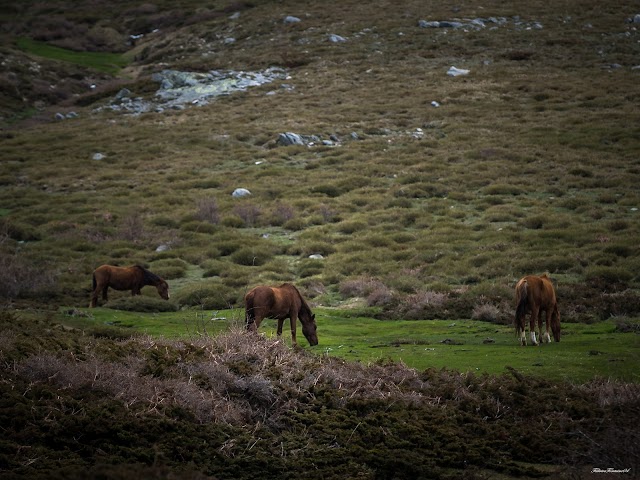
x=105 y=297
x=546 y=338
x=532 y=324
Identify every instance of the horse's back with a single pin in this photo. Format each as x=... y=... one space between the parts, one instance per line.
x=273 y=302
x=118 y=278
x=539 y=289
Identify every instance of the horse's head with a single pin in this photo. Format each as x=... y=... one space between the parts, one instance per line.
x=309 y=327
x=163 y=289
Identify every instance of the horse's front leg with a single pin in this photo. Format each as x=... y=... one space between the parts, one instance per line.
x=105 y=297
x=294 y=320
x=280 y=323
x=94 y=298
x=535 y=311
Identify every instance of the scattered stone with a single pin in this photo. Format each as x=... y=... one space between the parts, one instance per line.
x=478 y=23
x=98 y=156
x=336 y=38
x=457 y=72
x=316 y=256
x=289 y=138
x=240 y=192
x=435 y=104
x=488 y=340
x=162 y=248
x=122 y=94
x=426 y=24
x=59 y=116
x=291 y=19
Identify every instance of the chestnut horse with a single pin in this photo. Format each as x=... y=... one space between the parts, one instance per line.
x=125 y=278
x=535 y=294
x=280 y=302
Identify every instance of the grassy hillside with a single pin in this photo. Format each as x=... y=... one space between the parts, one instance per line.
x=424 y=197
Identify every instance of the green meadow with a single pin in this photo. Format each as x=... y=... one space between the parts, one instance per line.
x=586 y=352
x=105 y=62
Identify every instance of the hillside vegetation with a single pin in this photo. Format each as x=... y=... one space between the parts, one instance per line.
x=414 y=195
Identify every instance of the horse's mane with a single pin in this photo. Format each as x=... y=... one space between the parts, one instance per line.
x=148 y=276
x=303 y=303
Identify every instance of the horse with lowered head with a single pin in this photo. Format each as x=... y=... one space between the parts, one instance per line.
x=125 y=278
x=280 y=302
x=535 y=294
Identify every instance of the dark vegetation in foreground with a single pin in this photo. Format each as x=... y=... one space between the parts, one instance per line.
x=101 y=404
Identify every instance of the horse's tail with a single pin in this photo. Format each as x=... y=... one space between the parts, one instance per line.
x=250 y=316
x=521 y=307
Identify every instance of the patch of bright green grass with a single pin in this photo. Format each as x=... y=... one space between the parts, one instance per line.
x=584 y=352
x=104 y=62
x=167 y=324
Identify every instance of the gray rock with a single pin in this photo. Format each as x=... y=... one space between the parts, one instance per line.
x=336 y=38
x=428 y=24
x=291 y=19
x=163 y=248
x=316 y=256
x=122 y=94
x=240 y=192
x=98 y=156
x=448 y=24
x=289 y=138
x=178 y=89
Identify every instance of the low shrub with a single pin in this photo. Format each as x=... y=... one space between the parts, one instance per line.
x=19 y=231
x=607 y=277
x=208 y=295
x=207 y=210
x=170 y=272
x=310 y=267
x=21 y=278
x=251 y=256
x=486 y=312
x=142 y=303
x=198 y=226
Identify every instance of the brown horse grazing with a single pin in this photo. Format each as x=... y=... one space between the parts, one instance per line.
x=535 y=294
x=125 y=278
x=280 y=302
